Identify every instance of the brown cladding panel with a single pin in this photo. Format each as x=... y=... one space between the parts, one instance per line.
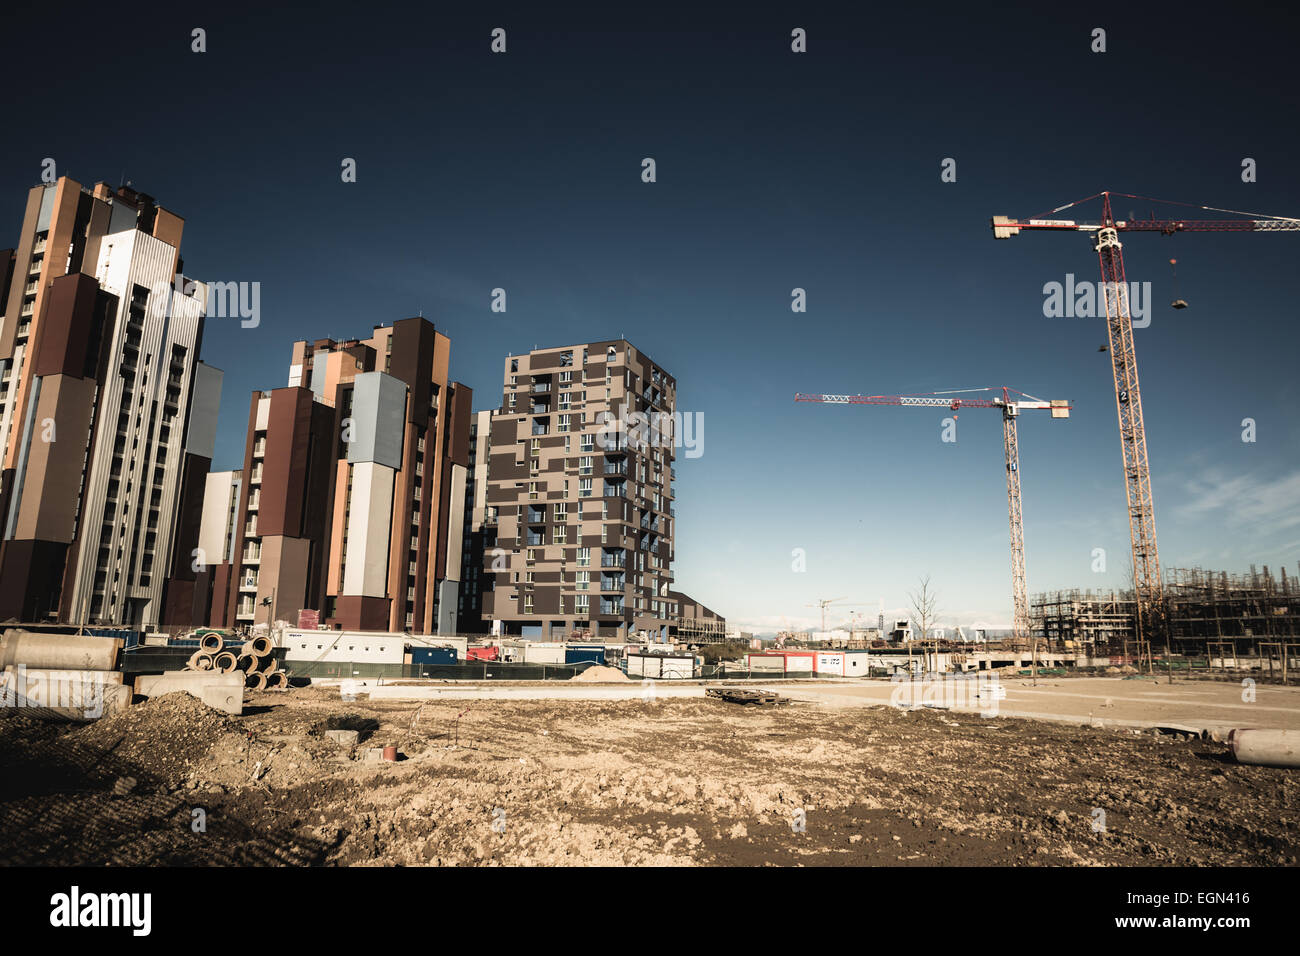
x=353 y=612
x=66 y=327
x=412 y=361
x=52 y=484
x=285 y=464
x=31 y=579
x=458 y=422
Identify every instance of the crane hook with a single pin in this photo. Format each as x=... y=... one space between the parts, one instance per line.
x=1177 y=303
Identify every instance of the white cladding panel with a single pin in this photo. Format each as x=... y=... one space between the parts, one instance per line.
x=217 y=490
x=371 y=508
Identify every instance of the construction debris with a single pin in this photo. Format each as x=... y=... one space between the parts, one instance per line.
x=737 y=695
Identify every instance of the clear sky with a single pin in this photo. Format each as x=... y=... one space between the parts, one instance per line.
x=775 y=170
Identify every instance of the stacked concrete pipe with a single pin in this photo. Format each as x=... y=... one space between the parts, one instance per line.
x=254 y=660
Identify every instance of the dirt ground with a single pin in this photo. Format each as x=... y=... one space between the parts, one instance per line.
x=673 y=782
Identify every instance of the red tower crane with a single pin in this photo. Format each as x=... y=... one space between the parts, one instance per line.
x=1011 y=409
x=1128 y=396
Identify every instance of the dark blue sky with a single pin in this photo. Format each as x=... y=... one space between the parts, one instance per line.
x=775 y=170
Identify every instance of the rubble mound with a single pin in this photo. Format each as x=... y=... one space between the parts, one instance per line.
x=600 y=674
x=163 y=736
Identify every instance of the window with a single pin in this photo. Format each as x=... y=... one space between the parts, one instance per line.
x=584 y=487
x=585 y=465
x=561 y=534
x=584 y=580
x=584 y=557
x=588 y=443
x=532 y=490
x=581 y=603
x=564 y=423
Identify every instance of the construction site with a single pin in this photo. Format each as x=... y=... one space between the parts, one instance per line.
x=1169 y=711
x=1227 y=620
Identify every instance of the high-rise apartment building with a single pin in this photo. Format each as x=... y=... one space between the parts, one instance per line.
x=107 y=416
x=579 y=492
x=353 y=489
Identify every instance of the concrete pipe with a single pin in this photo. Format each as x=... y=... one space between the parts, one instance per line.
x=45 y=674
x=246 y=663
x=199 y=661
x=76 y=700
x=1270 y=748
x=257 y=647
x=225 y=662
x=269 y=665
x=211 y=643
x=278 y=680
x=255 y=681
x=58 y=651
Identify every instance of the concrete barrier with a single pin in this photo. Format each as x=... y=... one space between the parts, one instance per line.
x=153 y=685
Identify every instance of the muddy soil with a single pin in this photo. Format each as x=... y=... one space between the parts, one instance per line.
x=674 y=782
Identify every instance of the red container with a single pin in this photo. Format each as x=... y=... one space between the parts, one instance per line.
x=390 y=753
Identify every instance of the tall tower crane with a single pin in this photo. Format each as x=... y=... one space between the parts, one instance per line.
x=1128 y=396
x=1011 y=409
x=830 y=602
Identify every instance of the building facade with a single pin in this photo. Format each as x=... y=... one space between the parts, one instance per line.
x=107 y=416
x=353 y=492
x=479 y=535
x=579 y=492
x=696 y=624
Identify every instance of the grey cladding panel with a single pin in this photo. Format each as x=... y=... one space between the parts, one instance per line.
x=204 y=405
x=378 y=419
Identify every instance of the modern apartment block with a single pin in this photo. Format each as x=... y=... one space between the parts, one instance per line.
x=353 y=489
x=107 y=416
x=579 y=494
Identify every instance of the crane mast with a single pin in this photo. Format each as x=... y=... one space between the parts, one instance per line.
x=1147 y=582
x=1010 y=409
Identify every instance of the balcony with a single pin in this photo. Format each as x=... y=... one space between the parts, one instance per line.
x=540 y=388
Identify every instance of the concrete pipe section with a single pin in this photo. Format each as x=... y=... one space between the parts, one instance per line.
x=255 y=681
x=225 y=662
x=211 y=643
x=58 y=651
x=1269 y=748
x=257 y=647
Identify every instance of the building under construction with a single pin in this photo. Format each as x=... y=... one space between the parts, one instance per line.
x=1208 y=613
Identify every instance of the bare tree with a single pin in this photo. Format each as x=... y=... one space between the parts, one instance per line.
x=924 y=603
